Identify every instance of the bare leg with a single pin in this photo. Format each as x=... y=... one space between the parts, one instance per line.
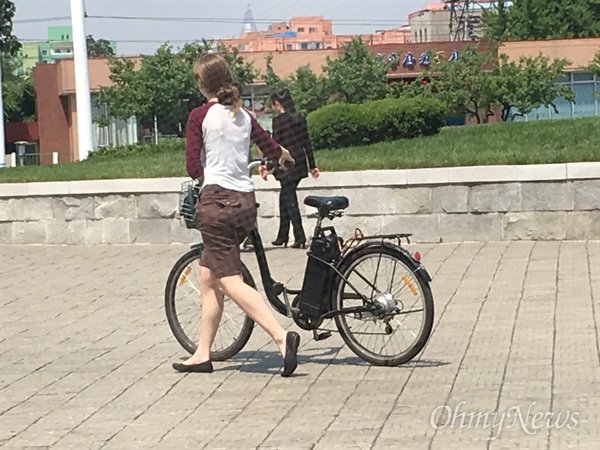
x=212 y=310
x=252 y=303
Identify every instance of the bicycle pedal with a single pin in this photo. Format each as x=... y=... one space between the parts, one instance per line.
x=321 y=336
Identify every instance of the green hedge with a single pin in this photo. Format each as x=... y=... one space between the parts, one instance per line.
x=164 y=146
x=344 y=125
x=336 y=126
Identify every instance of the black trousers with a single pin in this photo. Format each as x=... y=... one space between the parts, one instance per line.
x=289 y=211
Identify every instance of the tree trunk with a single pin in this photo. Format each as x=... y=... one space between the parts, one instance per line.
x=505 y=112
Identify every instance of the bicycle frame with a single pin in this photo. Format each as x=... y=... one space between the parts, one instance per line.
x=273 y=288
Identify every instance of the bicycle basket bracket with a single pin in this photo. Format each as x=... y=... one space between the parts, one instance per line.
x=188 y=197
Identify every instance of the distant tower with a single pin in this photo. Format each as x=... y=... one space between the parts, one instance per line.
x=465 y=16
x=249 y=24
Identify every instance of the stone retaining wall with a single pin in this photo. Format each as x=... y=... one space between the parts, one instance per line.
x=545 y=202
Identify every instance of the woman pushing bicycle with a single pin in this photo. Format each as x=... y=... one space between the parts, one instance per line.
x=218 y=135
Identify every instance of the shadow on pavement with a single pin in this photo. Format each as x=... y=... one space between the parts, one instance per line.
x=271 y=362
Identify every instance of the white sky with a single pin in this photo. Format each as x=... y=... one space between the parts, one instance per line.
x=382 y=14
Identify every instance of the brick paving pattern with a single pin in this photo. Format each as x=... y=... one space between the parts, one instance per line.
x=86 y=352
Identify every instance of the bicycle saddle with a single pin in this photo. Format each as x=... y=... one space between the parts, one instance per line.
x=327 y=204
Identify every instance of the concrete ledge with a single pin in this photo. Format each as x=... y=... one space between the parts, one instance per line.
x=365 y=178
x=544 y=202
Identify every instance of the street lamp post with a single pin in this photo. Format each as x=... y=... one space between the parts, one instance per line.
x=82 y=81
x=2 y=142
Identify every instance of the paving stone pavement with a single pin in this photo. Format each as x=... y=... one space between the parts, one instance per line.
x=86 y=352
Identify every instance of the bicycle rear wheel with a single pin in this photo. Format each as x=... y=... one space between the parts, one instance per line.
x=183 y=310
x=401 y=326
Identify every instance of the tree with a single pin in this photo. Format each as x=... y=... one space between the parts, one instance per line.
x=271 y=79
x=543 y=19
x=594 y=67
x=356 y=75
x=98 y=48
x=163 y=85
x=528 y=84
x=18 y=93
x=9 y=45
x=496 y=21
x=308 y=90
x=475 y=84
x=465 y=85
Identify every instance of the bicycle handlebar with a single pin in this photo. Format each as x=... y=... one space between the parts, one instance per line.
x=269 y=163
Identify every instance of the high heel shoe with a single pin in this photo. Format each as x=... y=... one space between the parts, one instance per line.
x=299 y=244
x=279 y=242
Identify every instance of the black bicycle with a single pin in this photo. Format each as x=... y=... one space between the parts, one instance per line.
x=370 y=285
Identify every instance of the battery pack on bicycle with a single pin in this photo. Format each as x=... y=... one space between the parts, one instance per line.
x=312 y=301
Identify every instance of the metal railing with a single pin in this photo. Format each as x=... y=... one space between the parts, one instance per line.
x=35 y=159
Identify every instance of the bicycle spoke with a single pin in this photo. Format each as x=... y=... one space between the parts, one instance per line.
x=187 y=313
x=394 y=336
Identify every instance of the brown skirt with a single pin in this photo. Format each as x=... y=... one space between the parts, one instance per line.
x=224 y=217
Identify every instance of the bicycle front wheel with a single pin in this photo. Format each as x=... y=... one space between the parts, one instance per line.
x=398 y=329
x=184 y=311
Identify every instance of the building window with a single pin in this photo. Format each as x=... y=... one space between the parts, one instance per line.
x=585 y=101
x=310 y=45
x=57 y=51
x=416 y=37
x=420 y=35
x=301 y=30
x=426 y=35
x=44 y=52
x=312 y=30
x=583 y=84
x=582 y=77
x=288 y=47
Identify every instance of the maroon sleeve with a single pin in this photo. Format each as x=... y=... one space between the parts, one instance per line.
x=194 y=141
x=260 y=137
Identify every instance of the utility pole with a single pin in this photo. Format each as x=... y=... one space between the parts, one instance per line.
x=463 y=19
x=82 y=81
x=2 y=142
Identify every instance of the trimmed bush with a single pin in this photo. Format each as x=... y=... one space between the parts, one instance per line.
x=336 y=125
x=164 y=146
x=345 y=125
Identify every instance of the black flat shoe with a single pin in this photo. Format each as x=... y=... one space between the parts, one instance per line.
x=204 y=367
x=290 y=362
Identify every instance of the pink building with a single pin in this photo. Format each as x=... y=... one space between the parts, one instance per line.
x=306 y=33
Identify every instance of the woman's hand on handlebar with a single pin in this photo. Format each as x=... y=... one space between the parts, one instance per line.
x=263 y=172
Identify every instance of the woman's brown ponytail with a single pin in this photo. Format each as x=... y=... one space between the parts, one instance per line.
x=213 y=76
x=230 y=95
